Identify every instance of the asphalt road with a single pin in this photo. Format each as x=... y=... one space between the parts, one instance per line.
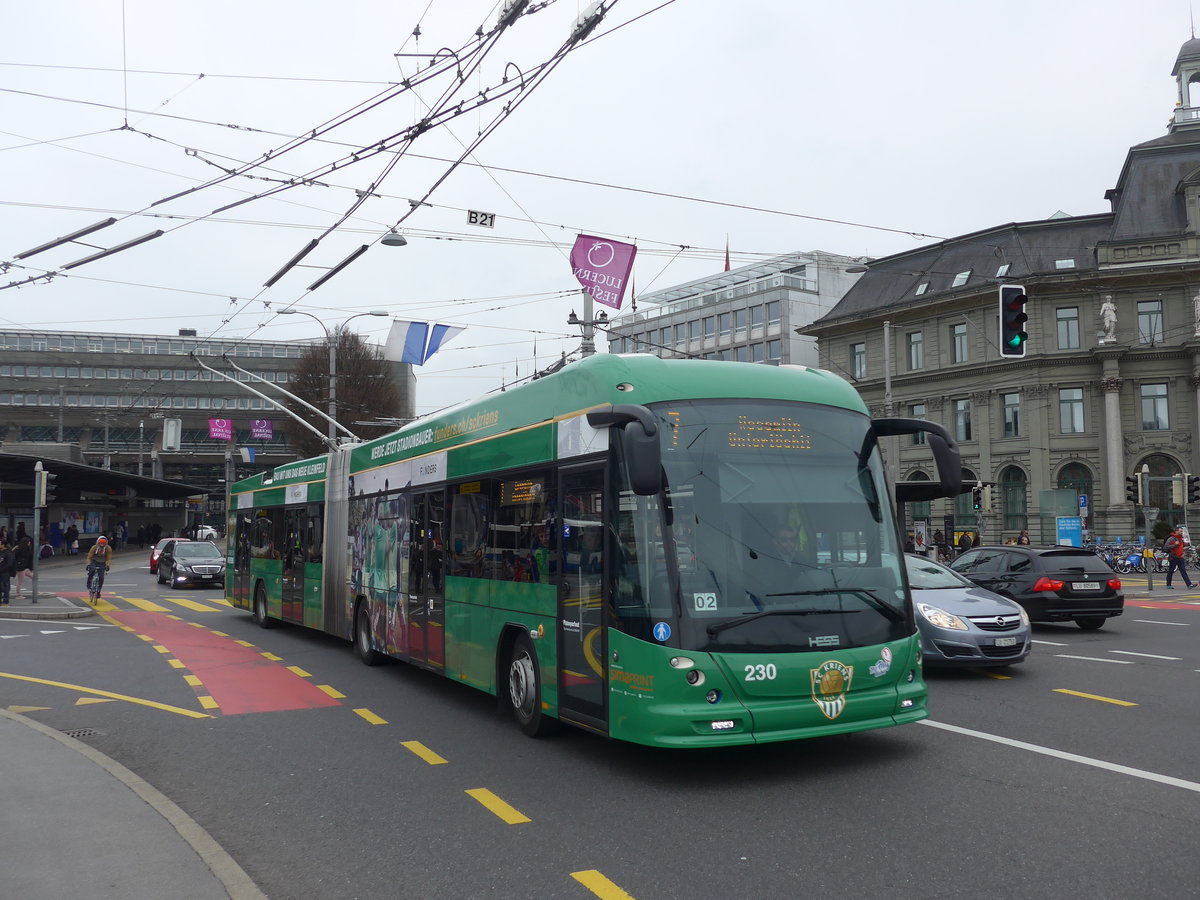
x=1073 y=775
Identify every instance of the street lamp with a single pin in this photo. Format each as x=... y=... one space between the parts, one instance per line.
x=329 y=339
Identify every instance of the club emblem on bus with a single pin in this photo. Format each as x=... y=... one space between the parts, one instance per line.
x=830 y=682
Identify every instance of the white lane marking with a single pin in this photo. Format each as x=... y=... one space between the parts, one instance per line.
x=1069 y=757
x=1146 y=655
x=54 y=631
x=1050 y=643
x=1121 y=662
x=5 y=637
x=1157 y=622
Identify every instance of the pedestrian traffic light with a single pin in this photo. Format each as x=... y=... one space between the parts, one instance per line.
x=1133 y=489
x=1193 y=489
x=987 y=498
x=43 y=487
x=977 y=498
x=1013 y=334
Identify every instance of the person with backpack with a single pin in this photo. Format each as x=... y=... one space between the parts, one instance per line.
x=1175 y=545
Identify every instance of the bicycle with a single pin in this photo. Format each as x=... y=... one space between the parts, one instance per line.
x=95 y=581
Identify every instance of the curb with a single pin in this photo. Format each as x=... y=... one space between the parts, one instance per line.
x=233 y=877
x=64 y=610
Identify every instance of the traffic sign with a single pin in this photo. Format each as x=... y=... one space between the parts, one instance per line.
x=1151 y=512
x=1083 y=501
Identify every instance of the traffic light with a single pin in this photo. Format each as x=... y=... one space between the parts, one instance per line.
x=1177 y=490
x=1013 y=335
x=48 y=479
x=977 y=498
x=987 y=498
x=1133 y=489
x=43 y=487
x=1193 y=489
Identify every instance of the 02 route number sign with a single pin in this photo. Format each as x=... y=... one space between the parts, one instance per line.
x=483 y=219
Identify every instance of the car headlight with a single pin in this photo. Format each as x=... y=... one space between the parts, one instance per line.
x=1024 y=617
x=941 y=618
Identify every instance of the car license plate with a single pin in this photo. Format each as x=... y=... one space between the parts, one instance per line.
x=1006 y=642
x=1086 y=586
x=206 y=576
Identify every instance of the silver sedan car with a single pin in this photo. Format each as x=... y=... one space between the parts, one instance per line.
x=962 y=624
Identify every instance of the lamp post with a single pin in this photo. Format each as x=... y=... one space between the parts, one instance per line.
x=330 y=340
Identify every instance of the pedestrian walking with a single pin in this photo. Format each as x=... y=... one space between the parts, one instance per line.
x=1174 y=545
x=23 y=565
x=6 y=569
x=71 y=539
x=141 y=537
x=1023 y=538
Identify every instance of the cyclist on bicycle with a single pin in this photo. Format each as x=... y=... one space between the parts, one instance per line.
x=99 y=558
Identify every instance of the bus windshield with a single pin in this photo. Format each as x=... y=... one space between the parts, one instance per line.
x=774 y=533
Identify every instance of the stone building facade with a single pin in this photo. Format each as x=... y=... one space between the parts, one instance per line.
x=1110 y=382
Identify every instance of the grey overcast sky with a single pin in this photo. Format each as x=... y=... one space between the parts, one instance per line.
x=933 y=117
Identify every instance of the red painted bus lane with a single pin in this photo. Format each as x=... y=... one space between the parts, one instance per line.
x=238 y=678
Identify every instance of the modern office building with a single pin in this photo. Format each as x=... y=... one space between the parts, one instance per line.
x=109 y=400
x=747 y=314
x=1109 y=383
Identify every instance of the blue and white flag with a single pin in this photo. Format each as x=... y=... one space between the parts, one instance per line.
x=415 y=342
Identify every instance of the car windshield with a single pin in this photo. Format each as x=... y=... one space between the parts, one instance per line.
x=773 y=533
x=929 y=575
x=1082 y=560
x=196 y=550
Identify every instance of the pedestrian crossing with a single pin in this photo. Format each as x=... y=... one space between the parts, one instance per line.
x=115 y=603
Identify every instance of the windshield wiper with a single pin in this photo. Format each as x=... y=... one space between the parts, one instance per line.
x=734 y=623
x=890 y=610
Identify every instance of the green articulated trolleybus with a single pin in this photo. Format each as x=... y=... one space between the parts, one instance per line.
x=679 y=553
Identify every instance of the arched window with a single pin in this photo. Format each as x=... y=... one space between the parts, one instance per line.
x=1014 y=499
x=1161 y=495
x=1078 y=478
x=964 y=513
x=920 y=509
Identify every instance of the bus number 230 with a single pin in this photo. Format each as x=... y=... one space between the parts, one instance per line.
x=761 y=672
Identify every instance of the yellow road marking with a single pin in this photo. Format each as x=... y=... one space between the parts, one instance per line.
x=995 y=675
x=147 y=605
x=1094 y=697
x=273 y=657
x=193 y=680
x=176 y=618
x=161 y=649
x=600 y=886
x=25 y=709
x=103 y=605
x=498 y=807
x=331 y=691
x=220 y=600
x=244 y=643
x=145 y=637
x=220 y=633
x=85 y=701
x=296 y=670
x=166 y=707
x=197 y=624
x=207 y=702
x=424 y=752
x=190 y=604
x=176 y=664
x=371 y=717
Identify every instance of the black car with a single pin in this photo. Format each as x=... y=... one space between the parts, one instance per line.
x=191 y=562
x=1053 y=584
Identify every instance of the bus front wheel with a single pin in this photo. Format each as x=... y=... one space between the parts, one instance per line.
x=260 y=608
x=525 y=689
x=362 y=637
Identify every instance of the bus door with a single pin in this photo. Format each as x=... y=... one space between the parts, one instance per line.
x=243 y=532
x=582 y=647
x=293 y=554
x=425 y=610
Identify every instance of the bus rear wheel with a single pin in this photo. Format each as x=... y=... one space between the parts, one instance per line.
x=362 y=637
x=260 y=608
x=525 y=689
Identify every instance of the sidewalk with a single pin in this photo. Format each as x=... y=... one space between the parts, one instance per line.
x=75 y=823
x=49 y=605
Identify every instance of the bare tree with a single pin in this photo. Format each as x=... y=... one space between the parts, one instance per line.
x=366 y=388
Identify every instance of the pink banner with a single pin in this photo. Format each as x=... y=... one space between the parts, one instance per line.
x=602 y=267
x=260 y=429
x=220 y=429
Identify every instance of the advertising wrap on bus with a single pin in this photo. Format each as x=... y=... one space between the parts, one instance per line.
x=671 y=552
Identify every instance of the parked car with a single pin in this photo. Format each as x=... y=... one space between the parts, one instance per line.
x=206 y=533
x=156 y=552
x=962 y=624
x=191 y=562
x=1053 y=584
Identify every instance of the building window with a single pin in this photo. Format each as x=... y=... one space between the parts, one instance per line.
x=739 y=324
x=757 y=353
x=1068 y=328
x=1078 y=478
x=920 y=509
x=710 y=327
x=694 y=330
x=858 y=360
x=917 y=411
x=916 y=350
x=1150 y=322
x=756 y=320
x=1003 y=270
x=773 y=314
x=960 y=279
x=724 y=327
x=962 y=419
x=774 y=348
x=921 y=288
x=958 y=342
x=1154 y=408
x=1013 y=499
x=680 y=332
x=1070 y=410
x=1012 y=414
